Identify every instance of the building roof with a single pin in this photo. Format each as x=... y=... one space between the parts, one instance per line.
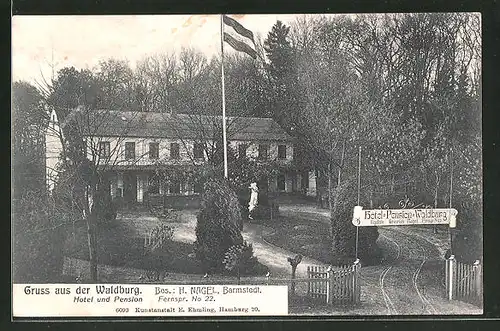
x=173 y=126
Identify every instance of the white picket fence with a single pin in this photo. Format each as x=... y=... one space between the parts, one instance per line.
x=464 y=282
x=340 y=285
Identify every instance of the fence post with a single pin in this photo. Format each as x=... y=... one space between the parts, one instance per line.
x=329 y=285
x=450 y=271
x=478 y=278
x=356 y=285
x=447 y=277
x=294 y=262
x=309 y=283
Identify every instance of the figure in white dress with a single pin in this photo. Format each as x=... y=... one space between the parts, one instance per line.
x=254 y=195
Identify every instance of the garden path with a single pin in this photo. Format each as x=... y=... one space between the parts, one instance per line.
x=274 y=257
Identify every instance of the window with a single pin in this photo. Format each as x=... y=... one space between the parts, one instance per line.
x=175 y=187
x=242 y=150
x=198 y=151
x=281 y=151
x=104 y=149
x=281 y=182
x=174 y=150
x=129 y=150
x=154 y=149
x=263 y=151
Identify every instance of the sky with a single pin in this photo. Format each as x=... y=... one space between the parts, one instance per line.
x=42 y=42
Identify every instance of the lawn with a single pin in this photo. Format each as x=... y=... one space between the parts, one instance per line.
x=309 y=238
x=119 y=246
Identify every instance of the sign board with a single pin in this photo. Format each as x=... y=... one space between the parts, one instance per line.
x=389 y=217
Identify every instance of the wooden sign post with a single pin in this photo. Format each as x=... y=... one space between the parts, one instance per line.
x=391 y=217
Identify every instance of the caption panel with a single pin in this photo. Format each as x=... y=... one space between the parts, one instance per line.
x=104 y=300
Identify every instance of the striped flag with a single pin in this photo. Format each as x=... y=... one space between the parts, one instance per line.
x=239 y=37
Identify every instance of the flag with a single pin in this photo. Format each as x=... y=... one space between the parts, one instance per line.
x=239 y=37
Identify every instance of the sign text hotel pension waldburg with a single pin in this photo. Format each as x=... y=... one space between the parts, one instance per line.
x=388 y=217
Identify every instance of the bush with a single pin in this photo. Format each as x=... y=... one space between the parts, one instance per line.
x=239 y=260
x=344 y=232
x=158 y=238
x=39 y=233
x=106 y=207
x=218 y=224
x=468 y=237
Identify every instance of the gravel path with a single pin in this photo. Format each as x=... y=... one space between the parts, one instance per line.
x=273 y=256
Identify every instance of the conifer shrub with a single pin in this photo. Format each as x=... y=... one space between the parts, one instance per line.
x=218 y=224
x=239 y=260
x=344 y=232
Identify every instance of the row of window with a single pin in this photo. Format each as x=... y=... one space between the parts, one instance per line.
x=154 y=150
x=173 y=187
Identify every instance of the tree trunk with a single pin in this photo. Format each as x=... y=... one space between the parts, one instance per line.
x=292 y=288
x=330 y=204
x=371 y=197
x=393 y=184
x=341 y=162
x=91 y=233
x=330 y=187
x=91 y=241
x=332 y=221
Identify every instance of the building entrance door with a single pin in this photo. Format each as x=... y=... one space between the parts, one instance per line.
x=281 y=182
x=129 y=187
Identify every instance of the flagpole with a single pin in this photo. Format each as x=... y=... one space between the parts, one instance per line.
x=451 y=195
x=359 y=197
x=223 y=95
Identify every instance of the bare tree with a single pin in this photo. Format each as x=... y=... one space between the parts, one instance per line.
x=156 y=77
x=94 y=146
